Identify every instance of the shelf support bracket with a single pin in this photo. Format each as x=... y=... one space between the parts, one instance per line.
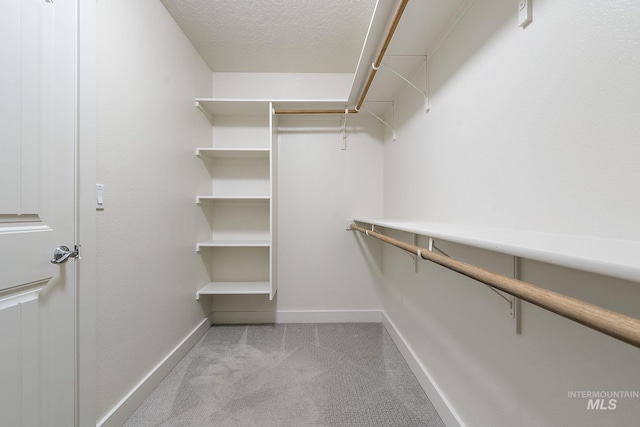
x=393 y=131
x=344 y=130
x=514 y=303
x=424 y=94
x=418 y=256
x=413 y=256
x=204 y=111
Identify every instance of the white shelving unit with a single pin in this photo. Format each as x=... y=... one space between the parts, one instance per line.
x=609 y=257
x=235 y=288
x=234 y=243
x=231 y=199
x=241 y=206
x=231 y=153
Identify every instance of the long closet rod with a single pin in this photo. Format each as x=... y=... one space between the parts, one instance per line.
x=383 y=50
x=374 y=68
x=609 y=322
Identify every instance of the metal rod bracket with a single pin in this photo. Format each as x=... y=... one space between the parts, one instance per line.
x=424 y=93
x=343 y=145
x=511 y=300
x=393 y=131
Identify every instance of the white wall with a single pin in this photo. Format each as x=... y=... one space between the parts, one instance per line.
x=533 y=129
x=320 y=265
x=148 y=128
x=529 y=129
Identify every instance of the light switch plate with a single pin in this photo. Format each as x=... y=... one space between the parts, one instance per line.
x=100 y=196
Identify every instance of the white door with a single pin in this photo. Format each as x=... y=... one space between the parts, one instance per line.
x=37 y=212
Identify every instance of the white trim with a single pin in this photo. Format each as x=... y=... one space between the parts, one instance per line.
x=10 y=301
x=127 y=406
x=318 y=316
x=86 y=215
x=444 y=408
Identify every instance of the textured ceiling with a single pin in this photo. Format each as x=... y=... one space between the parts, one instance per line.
x=271 y=36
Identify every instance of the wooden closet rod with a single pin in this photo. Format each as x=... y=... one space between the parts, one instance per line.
x=374 y=68
x=314 y=111
x=609 y=322
x=383 y=50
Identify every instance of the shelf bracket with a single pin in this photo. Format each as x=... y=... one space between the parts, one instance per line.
x=393 y=131
x=425 y=93
x=343 y=146
x=433 y=247
x=417 y=257
x=413 y=256
x=204 y=111
x=514 y=303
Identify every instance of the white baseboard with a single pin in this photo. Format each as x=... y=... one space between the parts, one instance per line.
x=442 y=405
x=127 y=406
x=323 y=316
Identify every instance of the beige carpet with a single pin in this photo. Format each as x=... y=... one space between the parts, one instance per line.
x=290 y=375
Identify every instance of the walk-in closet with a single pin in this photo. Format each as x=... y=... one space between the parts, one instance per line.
x=320 y=213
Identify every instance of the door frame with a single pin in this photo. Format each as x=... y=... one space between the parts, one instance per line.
x=86 y=279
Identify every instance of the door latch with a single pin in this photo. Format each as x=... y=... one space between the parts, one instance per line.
x=62 y=253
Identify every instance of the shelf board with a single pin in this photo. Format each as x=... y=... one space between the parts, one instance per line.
x=239 y=200
x=609 y=257
x=213 y=107
x=232 y=153
x=235 y=288
x=234 y=243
